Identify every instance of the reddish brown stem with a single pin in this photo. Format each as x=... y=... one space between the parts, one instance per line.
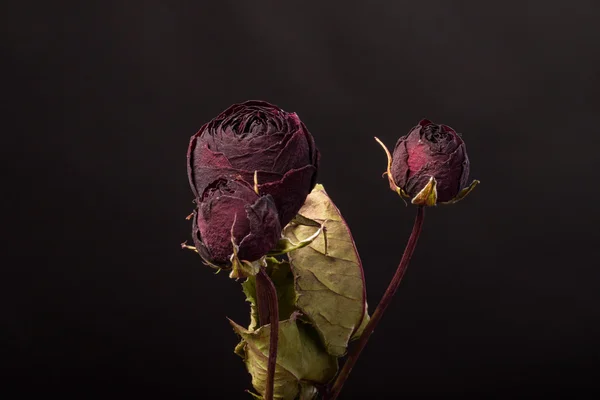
x=268 y=313
x=383 y=304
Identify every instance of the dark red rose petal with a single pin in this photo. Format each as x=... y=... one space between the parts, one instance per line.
x=466 y=164
x=204 y=177
x=418 y=157
x=294 y=155
x=200 y=246
x=415 y=183
x=199 y=156
x=265 y=229
x=446 y=128
x=399 y=166
x=215 y=221
x=439 y=139
x=290 y=192
x=447 y=174
x=261 y=159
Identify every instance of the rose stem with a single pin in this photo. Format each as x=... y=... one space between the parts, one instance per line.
x=383 y=304
x=266 y=292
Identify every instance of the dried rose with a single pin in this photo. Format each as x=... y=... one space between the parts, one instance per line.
x=261 y=144
x=231 y=212
x=430 y=165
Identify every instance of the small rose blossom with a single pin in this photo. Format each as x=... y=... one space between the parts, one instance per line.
x=429 y=165
x=231 y=210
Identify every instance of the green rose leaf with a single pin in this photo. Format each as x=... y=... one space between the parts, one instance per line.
x=301 y=359
x=328 y=274
x=283 y=279
x=249 y=289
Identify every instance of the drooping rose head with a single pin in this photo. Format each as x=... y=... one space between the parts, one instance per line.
x=256 y=136
x=431 y=151
x=231 y=209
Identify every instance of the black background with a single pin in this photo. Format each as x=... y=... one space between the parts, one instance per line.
x=502 y=297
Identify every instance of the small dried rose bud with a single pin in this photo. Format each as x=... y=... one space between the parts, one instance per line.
x=260 y=144
x=231 y=210
x=430 y=165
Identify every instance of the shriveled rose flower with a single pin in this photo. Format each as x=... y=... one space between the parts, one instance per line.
x=256 y=136
x=231 y=209
x=430 y=165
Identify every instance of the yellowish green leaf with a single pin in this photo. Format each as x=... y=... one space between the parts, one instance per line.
x=328 y=274
x=301 y=359
x=362 y=326
x=249 y=289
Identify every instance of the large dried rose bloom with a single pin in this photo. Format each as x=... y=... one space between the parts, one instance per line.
x=256 y=140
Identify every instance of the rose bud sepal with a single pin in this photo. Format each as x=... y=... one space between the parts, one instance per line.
x=388 y=172
x=463 y=193
x=428 y=195
x=242 y=268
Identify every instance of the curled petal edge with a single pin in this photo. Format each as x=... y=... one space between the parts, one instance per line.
x=285 y=245
x=199 y=247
